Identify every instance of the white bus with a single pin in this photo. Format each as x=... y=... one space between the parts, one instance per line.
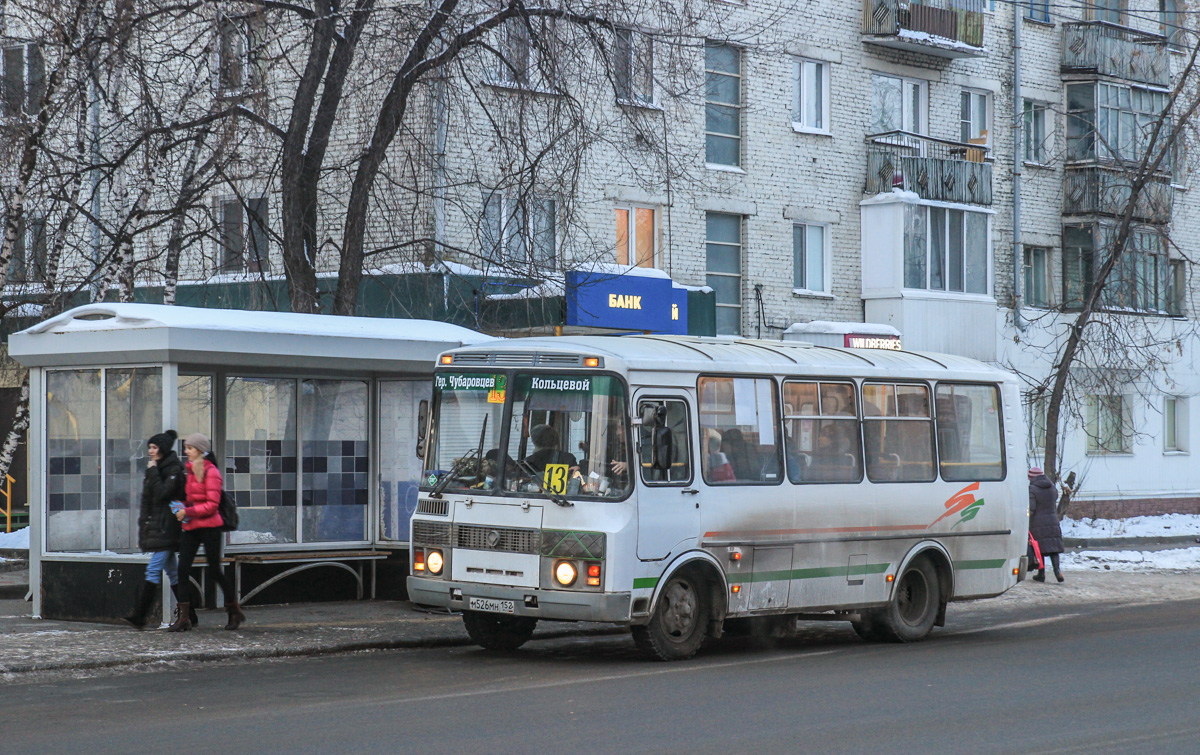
x=682 y=486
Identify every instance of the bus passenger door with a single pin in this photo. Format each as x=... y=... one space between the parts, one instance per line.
x=668 y=500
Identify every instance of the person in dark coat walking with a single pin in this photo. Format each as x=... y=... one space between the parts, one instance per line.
x=158 y=529
x=1043 y=521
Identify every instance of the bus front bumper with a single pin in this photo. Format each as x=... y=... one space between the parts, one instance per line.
x=559 y=605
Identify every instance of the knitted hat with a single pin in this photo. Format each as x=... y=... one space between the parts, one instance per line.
x=199 y=442
x=164 y=440
x=1035 y=472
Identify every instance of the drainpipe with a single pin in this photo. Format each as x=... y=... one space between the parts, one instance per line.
x=1018 y=166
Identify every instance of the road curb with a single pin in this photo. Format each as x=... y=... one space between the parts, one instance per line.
x=1128 y=542
x=301 y=652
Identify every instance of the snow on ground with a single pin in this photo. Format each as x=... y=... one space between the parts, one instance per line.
x=1166 y=525
x=1176 y=559
x=18 y=539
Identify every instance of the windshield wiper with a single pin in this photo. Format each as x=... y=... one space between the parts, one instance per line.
x=560 y=500
x=442 y=483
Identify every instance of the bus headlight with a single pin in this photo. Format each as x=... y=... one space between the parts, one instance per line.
x=565 y=573
x=434 y=561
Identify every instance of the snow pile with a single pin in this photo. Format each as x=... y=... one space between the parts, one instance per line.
x=18 y=540
x=1176 y=559
x=1166 y=525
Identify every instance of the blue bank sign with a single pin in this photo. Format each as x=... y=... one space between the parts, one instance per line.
x=625 y=302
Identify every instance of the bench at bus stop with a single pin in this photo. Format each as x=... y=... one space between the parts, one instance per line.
x=303 y=560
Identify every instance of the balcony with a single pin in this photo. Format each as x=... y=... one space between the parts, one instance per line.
x=934 y=169
x=943 y=28
x=1096 y=190
x=1104 y=49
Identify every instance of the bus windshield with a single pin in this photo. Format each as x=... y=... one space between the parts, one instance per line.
x=565 y=434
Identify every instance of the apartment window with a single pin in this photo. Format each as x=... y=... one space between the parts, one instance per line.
x=637 y=235
x=810 y=111
x=1175 y=424
x=1037 y=276
x=17 y=267
x=1109 y=425
x=973 y=116
x=1112 y=121
x=1112 y=11
x=519 y=233
x=1038 y=10
x=810 y=257
x=1177 y=286
x=723 y=101
x=1171 y=22
x=946 y=250
x=520 y=60
x=724 y=269
x=634 y=66
x=24 y=79
x=244 y=235
x=897 y=104
x=1037 y=421
x=1037 y=149
x=1142 y=280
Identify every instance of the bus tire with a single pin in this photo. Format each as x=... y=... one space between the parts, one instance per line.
x=868 y=627
x=910 y=615
x=498 y=632
x=679 y=622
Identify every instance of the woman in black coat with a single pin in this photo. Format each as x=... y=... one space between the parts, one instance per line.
x=1043 y=521
x=158 y=529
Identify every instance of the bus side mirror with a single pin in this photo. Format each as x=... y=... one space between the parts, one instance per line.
x=647 y=415
x=422 y=427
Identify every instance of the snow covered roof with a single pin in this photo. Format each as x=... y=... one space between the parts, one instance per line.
x=104 y=333
x=842 y=328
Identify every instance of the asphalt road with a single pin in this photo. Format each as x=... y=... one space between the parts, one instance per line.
x=1036 y=679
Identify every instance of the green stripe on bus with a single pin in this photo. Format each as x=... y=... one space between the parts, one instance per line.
x=987 y=563
x=643 y=583
x=813 y=573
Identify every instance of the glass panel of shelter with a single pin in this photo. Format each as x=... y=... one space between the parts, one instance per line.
x=399 y=466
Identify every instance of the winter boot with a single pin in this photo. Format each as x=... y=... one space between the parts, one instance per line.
x=182 y=623
x=1058 y=575
x=145 y=598
x=192 y=617
x=1040 y=576
x=236 y=617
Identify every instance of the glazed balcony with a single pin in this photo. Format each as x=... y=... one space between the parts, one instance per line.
x=933 y=169
x=1104 y=49
x=942 y=28
x=1097 y=190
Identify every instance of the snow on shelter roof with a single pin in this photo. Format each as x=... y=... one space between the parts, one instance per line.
x=103 y=333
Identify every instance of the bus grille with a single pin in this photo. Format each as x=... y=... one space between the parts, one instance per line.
x=430 y=533
x=565 y=544
x=484 y=538
x=430 y=506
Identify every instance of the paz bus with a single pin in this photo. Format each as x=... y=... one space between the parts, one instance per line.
x=689 y=486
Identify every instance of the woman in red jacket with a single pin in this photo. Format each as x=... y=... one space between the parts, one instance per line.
x=202 y=523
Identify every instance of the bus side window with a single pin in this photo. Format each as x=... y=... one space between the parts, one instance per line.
x=663 y=442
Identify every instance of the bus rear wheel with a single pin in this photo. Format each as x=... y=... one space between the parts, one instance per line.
x=498 y=632
x=910 y=615
x=680 y=620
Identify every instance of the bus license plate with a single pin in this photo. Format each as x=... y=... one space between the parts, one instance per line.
x=491 y=606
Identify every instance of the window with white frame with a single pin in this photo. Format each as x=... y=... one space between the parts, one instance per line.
x=974 y=116
x=946 y=250
x=1108 y=121
x=1109 y=425
x=897 y=104
x=1037 y=278
x=634 y=66
x=723 y=105
x=239 y=70
x=24 y=79
x=724 y=269
x=1037 y=406
x=1112 y=11
x=810 y=257
x=637 y=236
x=526 y=51
x=1171 y=22
x=1036 y=137
x=244 y=234
x=518 y=233
x=810 y=111
x=1175 y=424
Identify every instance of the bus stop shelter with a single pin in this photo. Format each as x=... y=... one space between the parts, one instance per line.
x=315 y=421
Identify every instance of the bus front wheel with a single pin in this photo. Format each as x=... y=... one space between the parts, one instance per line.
x=498 y=632
x=680 y=620
x=910 y=615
